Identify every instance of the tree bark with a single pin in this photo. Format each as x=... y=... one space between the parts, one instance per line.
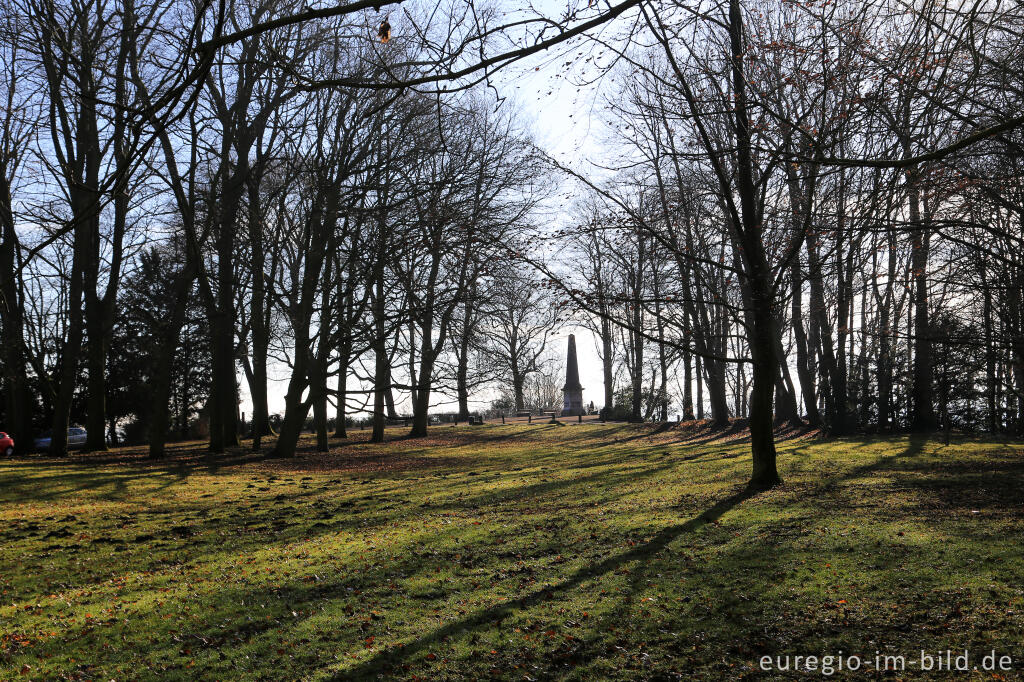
x=763 y=333
x=17 y=397
x=462 y=371
x=223 y=413
x=636 y=336
x=382 y=362
x=607 y=360
x=344 y=353
x=990 y=356
x=922 y=386
x=687 y=387
x=700 y=388
x=257 y=321
x=803 y=369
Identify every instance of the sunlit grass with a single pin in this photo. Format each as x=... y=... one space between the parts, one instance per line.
x=576 y=552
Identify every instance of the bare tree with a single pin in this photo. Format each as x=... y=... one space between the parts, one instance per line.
x=521 y=316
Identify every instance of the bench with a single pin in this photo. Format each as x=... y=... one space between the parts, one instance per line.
x=524 y=413
x=395 y=421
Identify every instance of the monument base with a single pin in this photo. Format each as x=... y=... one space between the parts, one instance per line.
x=573 y=405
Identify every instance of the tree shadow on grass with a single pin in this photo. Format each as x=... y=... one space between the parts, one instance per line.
x=662 y=539
x=298 y=595
x=79 y=474
x=538 y=489
x=386 y=658
x=915 y=445
x=69 y=482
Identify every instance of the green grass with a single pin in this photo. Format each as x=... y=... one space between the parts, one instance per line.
x=577 y=552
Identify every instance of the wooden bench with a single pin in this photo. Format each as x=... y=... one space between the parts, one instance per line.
x=524 y=413
x=395 y=421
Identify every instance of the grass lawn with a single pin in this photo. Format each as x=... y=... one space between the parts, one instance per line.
x=515 y=552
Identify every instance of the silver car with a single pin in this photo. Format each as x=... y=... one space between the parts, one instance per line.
x=76 y=438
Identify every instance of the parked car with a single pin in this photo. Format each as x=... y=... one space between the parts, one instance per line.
x=6 y=444
x=76 y=438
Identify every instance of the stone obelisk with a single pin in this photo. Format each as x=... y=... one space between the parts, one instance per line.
x=572 y=391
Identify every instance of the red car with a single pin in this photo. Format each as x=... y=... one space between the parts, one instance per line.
x=6 y=444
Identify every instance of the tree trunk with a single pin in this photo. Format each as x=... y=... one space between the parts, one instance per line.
x=295 y=413
x=381 y=378
x=420 y=418
x=462 y=379
x=844 y=298
x=68 y=367
x=922 y=386
x=412 y=362
x=823 y=335
x=99 y=310
x=1014 y=373
x=886 y=333
x=257 y=322
x=687 y=387
x=762 y=437
x=83 y=184
x=990 y=356
x=785 y=392
x=638 y=360
x=318 y=385
x=389 y=388
x=321 y=362
x=607 y=363
x=382 y=363
x=17 y=397
x=700 y=388
x=714 y=379
x=518 y=387
x=96 y=367
x=340 y=428
x=421 y=397
x=662 y=353
x=462 y=374
x=223 y=401
x=159 y=409
x=763 y=334
x=803 y=369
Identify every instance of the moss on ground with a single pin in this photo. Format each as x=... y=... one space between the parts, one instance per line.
x=514 y=552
